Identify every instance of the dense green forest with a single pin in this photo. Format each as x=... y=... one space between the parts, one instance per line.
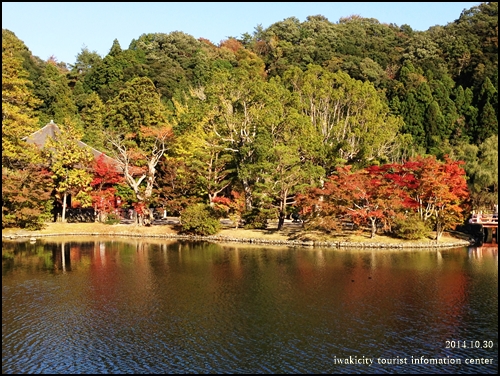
x=256 y=123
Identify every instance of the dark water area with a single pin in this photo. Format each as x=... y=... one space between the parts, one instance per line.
x=98 y=305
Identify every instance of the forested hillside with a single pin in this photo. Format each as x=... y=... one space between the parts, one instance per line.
x=253 y=123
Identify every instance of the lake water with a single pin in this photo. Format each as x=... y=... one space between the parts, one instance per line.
x=160 y=306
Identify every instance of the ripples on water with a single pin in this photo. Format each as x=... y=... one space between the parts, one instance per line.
x=146 y=307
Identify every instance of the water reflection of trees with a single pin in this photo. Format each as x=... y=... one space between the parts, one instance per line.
x=343 y=293
x=357 y=281
x=23 y=257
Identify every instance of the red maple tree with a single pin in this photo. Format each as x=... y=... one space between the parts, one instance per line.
x=104 y=193
x=379 y=195
x=439 y=191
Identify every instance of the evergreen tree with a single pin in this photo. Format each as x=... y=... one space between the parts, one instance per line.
x=435 y=128
x=488 y=123
x=52 y=88
x=92 y=116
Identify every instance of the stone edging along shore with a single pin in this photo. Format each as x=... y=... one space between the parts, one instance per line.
x=221 y=239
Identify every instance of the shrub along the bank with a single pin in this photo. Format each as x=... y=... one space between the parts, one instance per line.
x=411 y=228
x=200 y=219
x=257 y=218
x=112 y=219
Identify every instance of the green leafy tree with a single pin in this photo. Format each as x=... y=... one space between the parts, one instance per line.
x=213 y=167
x=283 y=170
x=435 y=127
x=70 y=165
x=471 y=44
x=139 y=132
x=413 y=119
x=86 y=61
x=233 y=114
x=173 y=61
x=467 y=113
x=482 y=171
x=176 y=185
x=92 y=115
x=108 y=77
x=52 y=87
x=26 y=186
x=18 y=106
x=488 y=123
x=201 y=149
x=244 y=58
x=351 y=121
x=424 y=52
x=442 y=94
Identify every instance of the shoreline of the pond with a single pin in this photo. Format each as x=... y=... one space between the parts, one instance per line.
x=274 y=242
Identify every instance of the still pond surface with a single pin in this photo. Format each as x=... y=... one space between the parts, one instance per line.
x=153 y=306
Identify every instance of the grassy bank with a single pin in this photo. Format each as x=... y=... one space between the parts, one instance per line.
x=288 y=233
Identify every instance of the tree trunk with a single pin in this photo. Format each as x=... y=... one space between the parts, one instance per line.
x=439 y=231
x=248 y=195
x=211 y=198
x=281 y=221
